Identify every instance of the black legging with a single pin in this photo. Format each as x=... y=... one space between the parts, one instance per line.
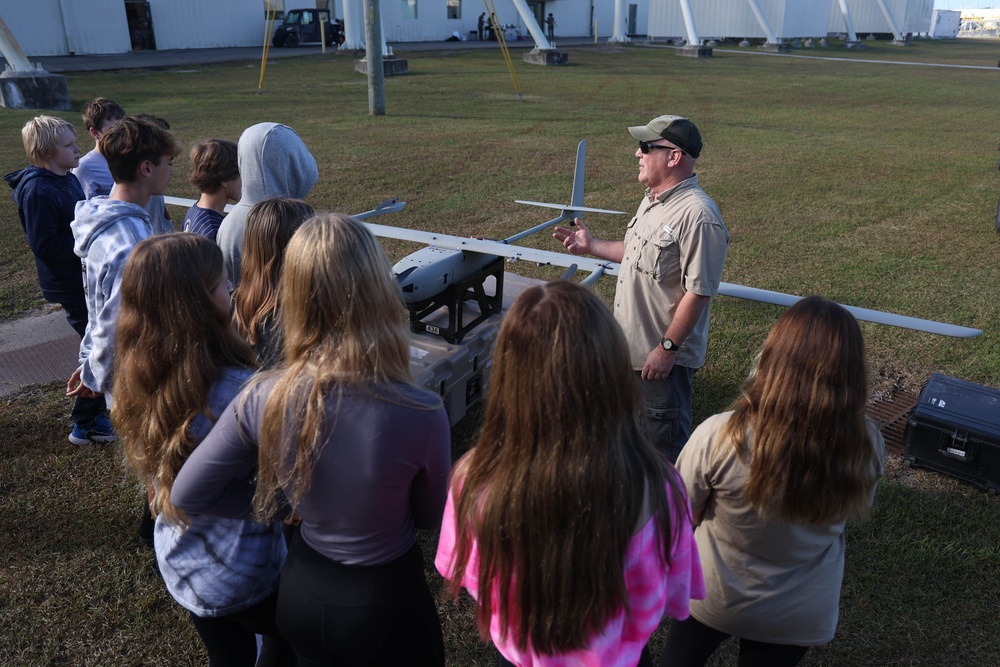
x=231 y=640
x=335 y=614
x=691 y=644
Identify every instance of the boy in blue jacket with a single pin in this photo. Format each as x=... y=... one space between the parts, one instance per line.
x=46 y=194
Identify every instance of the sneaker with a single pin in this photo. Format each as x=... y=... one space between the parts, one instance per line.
x=100 y=431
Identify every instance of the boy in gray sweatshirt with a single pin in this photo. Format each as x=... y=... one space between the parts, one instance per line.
x=274 y=162
x=140 y=155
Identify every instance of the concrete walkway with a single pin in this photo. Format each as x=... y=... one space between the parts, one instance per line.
x=196 y=57
x=36 y=349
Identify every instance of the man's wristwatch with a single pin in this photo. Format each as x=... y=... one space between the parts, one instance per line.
x=669 y=345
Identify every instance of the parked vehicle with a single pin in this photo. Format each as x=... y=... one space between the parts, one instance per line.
x=302 y=26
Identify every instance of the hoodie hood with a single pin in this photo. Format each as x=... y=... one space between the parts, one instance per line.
x=19 y=180
x=274 y=162
x=93 y=216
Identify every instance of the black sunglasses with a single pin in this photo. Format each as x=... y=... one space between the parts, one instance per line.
x=645 y=147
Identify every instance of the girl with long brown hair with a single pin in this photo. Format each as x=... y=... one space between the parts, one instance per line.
x=773 y=482
x=564 y=522
x=270 y=226
x=178 y=364
x=340 y=436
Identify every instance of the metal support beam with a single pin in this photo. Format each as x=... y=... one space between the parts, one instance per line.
x=848 y=21
x=618 y=35
x=892 y=21
x=354 y=26
x=532 y=25
x=12 y=52
x=762 y=20
x=692 y=30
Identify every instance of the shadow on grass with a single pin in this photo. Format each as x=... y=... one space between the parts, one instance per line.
x=919 y=587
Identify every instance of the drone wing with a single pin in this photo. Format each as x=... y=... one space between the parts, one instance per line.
x=598 y=267
x=387 y=206
x=864 y=314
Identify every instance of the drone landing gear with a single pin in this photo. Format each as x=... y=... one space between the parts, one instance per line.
x=453 y=298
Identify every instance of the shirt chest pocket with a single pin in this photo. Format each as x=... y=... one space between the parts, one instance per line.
x=656 y=255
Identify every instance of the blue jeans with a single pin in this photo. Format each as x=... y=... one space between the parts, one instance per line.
x=668 y=410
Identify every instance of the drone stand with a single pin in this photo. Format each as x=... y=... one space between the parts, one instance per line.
x=453 y=298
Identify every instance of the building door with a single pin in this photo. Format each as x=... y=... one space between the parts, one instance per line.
x=140 y=25
x=538 y=10
x=633 y=10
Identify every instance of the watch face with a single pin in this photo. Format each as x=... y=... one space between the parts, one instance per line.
x=668 y=344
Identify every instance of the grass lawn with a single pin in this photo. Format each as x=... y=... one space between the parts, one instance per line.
x=874 y=184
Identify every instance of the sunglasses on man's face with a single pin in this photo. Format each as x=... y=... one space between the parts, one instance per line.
x=645 y=147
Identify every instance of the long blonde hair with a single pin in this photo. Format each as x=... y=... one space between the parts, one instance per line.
x=554 y=488
x=342 y=319
x=270 y=226
x=172 y=341
x=800 y=419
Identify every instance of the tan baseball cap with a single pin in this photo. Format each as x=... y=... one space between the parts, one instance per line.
x=677 y=130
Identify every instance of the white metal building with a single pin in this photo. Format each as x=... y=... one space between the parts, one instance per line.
x=435 y=20
x=911 y=16
x=787 y=19
x=64 y=27
x=735 y=18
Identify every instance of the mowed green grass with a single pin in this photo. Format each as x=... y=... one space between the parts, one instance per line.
x=873 y=184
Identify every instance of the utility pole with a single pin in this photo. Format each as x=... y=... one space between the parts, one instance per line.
x=373 y=56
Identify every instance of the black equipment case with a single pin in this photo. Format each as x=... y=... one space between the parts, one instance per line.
x=955 y=429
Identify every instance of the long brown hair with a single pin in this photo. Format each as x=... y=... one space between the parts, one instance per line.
x=800 y=419
x=342 y=318
x=172 y=340
x=554 y=488
x=270 y=226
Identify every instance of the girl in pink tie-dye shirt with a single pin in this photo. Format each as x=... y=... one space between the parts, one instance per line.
x=568 y=528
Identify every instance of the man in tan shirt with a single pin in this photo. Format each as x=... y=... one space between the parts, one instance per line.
x=671 y=266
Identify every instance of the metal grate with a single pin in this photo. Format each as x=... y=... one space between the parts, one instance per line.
x=890 y=413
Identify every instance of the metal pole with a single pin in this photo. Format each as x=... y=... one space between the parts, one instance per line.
x=762 y=20
x=692 y=31
x=848 y=21
x=618 y=35
x=891 y=21
x=353 y=26
x=528 y=18
x=373 y=58
x=12 y=52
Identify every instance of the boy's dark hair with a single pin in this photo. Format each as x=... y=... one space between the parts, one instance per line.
x=99 y=110
x=213 y=162
x=156 y=120
x=131 y=142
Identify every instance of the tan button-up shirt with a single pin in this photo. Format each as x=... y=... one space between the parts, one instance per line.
x=675 y=244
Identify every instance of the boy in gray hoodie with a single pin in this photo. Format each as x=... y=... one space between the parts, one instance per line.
x=274 y=162
x=140 y=155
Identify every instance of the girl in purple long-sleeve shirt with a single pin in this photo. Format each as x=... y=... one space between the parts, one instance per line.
x=339 y=436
